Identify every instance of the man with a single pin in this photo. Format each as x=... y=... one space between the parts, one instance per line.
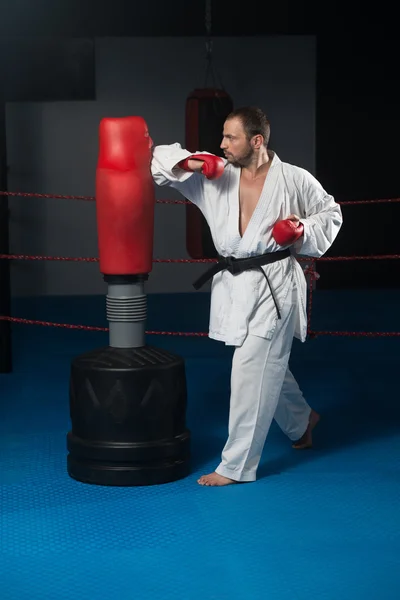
x=265 y=210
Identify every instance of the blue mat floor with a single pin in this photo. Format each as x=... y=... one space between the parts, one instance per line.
x=322 y=524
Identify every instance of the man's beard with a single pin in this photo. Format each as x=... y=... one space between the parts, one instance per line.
x=243 y=161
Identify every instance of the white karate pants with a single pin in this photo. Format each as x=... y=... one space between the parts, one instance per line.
x=262 y=388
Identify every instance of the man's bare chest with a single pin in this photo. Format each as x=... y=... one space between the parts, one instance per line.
x=249 y=195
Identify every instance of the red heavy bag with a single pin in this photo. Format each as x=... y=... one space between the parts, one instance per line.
x=206 y=111
x=125 y=197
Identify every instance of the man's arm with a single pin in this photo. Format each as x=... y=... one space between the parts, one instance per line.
x=209 y=165
x=193 y=164
x=185 y=171
x=323 y=218
x=313 y=232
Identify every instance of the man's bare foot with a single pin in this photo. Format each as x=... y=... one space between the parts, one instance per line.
x=213 y=479
x=305 y=441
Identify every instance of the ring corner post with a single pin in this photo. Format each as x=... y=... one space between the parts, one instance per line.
x=5 y=286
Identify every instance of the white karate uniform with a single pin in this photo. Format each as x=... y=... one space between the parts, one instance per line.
x=243 y=312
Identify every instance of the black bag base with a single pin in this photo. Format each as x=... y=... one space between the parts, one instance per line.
x=127 y=475
x=128 y=415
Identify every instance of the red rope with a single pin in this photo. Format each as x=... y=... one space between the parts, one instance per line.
x=55 y=258
x=69 y=197
x=93 y=198
x=190 y=260
x=49 y=196
x=91 y=328
x=173 y=202
x=312 y=274
x=380 y=201
x=356 y=333
x=196 y=333
x=49 y=324
x=95 y=260
x=346 y=258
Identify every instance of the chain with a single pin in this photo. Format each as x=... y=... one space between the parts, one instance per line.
x=208 y=17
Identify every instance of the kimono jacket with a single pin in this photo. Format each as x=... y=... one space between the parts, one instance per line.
x=242 y=304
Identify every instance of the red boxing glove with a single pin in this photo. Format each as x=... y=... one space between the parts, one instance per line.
x=287 y=232
x=212 y=168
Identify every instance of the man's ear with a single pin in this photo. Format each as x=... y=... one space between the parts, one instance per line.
x=257 y=141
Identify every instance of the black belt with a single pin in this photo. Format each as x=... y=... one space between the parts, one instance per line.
x=238 y=265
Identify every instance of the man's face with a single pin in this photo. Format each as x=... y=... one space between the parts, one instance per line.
x=237 y=148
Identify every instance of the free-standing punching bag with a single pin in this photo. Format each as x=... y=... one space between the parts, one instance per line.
x=206 y=111
x=127 y=399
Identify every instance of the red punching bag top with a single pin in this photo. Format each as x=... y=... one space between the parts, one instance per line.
x=125 y=144
x=125 y=197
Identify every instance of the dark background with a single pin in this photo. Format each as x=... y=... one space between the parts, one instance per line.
x=357 y=128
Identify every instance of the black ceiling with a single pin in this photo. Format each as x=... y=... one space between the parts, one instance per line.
x=89 y=18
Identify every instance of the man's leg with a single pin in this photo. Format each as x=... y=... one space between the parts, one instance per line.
x=293 y=415
x=258 y=371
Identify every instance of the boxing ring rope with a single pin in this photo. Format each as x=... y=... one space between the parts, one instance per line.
x=93 y=198
x=310 y=271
